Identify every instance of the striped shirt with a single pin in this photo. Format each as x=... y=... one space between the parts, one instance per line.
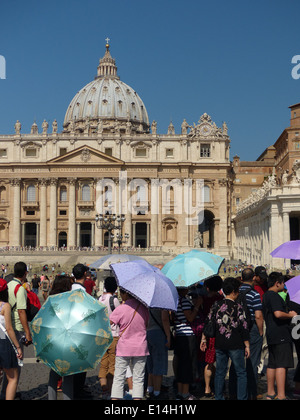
x=252 y=298
x=182 y=326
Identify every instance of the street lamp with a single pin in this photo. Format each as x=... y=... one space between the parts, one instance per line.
x=110 y=222
x=121 y=240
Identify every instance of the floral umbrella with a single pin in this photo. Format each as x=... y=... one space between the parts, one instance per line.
x=193 y=267
x=71 y=332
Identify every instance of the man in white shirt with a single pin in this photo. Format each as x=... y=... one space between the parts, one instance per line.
x=79 y=272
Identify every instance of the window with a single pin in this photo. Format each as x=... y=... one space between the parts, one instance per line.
x=205 y=150
x=30 y=213
x=62 y=212
x=297 y=145
x=141 y=152
x=108 y=151
x=63 y=194
x=31 y=193
x=62 y=151
x=30 y=152
x=237 y=201
x=169 y=153
x=3 y=153
x=86 y=193
x=206 y=194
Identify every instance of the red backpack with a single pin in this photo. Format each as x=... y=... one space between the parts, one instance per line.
x=33 y=303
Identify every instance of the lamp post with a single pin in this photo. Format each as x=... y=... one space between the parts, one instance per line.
x=120 y=240
x=110 y=222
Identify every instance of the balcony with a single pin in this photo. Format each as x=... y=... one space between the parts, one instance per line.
x=85 y=204
x=30 y=204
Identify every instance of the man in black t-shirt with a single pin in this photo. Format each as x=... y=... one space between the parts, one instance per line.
x=279 y=339
x=35 y=282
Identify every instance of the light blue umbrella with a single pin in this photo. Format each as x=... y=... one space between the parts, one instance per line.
x=71 y=332
x=193 y=267
x=104 y=262
x=147 y=283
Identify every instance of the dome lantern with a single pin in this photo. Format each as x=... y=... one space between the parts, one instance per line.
x=107 y=65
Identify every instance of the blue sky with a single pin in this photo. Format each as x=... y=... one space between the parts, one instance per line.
x=231 y=59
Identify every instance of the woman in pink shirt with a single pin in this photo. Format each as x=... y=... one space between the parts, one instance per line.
x=132 y=318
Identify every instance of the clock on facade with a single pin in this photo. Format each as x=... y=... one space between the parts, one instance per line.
x=205 y=129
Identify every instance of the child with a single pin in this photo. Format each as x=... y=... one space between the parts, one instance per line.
x=132 y=318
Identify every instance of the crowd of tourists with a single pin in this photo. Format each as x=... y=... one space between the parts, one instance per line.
x=222 y=328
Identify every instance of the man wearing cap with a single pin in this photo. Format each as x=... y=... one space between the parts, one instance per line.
x=261 y=280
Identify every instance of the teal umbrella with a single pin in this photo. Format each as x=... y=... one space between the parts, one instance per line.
x=71 y=332
x=193 y=267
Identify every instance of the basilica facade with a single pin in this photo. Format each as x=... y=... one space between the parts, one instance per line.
x=174 y=189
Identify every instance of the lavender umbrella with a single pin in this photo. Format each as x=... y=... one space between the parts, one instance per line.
x=289 y=250
x=147 y=284
x=293 y=287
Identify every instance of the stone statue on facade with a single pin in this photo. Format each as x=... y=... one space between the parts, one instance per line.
x=284 y=179
x=171 y=129
x=54 y=127
x=45 y=126
x=128 y=127
x=154 y=127
x=184 y=127
x=18 y=127
x=198 y=240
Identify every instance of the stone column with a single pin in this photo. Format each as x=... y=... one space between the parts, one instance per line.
x=286 y=226
x=155 y=209
x=98 y=209
x=78 y=234
x=53 y=212
x=72 y=213
x=43 y=212
x=148 y=234
x=223 y=213
x=16 y=216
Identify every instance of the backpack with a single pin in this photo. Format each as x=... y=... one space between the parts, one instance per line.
x=111 y=303
x=33 y=303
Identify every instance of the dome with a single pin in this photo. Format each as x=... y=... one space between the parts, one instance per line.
x=107 y=100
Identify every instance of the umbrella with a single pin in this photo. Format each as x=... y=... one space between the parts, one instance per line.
x=71 y=332
x=293 y=287
x=195 y=266
x=146 y=283
x=289 y=250
x=104 y=262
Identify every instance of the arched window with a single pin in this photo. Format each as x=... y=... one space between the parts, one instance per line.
x=31 y=193
x=86 y=192
x=63 y=193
